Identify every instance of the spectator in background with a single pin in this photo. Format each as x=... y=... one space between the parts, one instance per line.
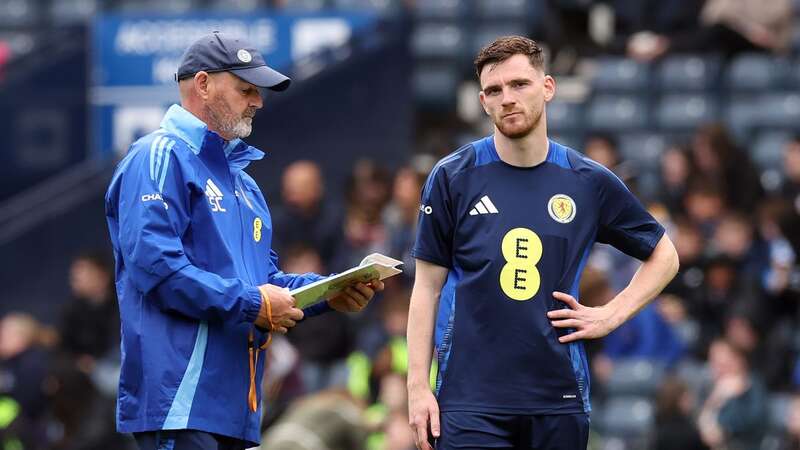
x=722 y=291
x=636 y=18
x=5 y=56
x=734 y=414
x=325 y=342
x=676 y=168
x=89 y=326
x=674 y=425
x=304 y=215
x=368 y=190
x=791 y=437
x=726 y=26
x=689 y=244
x=717 y=158
x=602 y=148
x=400 y=216
x=330 y=419
x=705 y=205
x=735 y=238
x=23 y=367
x=791 y=173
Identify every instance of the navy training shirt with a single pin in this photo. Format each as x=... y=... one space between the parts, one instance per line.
x=510 y=237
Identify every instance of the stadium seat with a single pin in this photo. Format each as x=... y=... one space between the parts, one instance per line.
x=688 y=72
x=779 y=405
x=18 y=13
x=644 y=149
x=620 y=74
x=435 y=85
x=740 y=114
x=73 y=11
x=779 y=109
x=487 y=33
x=617 y=113
x=236 y=5
x=685 y=111
x=767 y=148
x=438 y=40
x=639 y=377
x=573 y=141
x=379 y=6
x=626 y=416
x=440 y=9
x=161 y=6
x=695 y=374
x=755 y=71
x=305 y=5
x=504 y=9
x=564 y=115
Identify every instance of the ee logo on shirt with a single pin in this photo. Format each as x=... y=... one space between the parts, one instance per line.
x=522 y=250
x=257 y=229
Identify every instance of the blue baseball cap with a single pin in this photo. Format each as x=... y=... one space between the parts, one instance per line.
x=219 y=53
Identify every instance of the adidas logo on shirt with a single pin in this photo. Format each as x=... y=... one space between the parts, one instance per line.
x=484 y=206
x=214 y=195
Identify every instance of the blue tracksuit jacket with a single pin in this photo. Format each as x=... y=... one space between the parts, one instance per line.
x=192 y=236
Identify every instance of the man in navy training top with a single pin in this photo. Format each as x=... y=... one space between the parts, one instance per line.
x=198 y=284
x=505 y=228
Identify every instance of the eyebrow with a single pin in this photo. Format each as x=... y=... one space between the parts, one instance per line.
x=514 y=80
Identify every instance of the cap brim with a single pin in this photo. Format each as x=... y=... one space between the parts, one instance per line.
x=264 y=77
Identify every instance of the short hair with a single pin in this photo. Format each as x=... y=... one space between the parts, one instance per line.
x=507 y=46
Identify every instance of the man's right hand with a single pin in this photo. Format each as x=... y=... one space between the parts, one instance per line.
x=423 y=410
x=284 y=313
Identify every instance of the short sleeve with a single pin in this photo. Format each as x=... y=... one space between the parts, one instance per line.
x=624 y=222
x=434 y=242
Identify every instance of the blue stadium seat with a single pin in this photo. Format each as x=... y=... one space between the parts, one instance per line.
x=564 y=115
x=73 y=11
x=487 y=33
x=162 y=6
x=505 y=9
x=305 y=5
x=779 y=109
x=767 y=148
x=440 y=9
x=236 y=5
x=685 y=111
x=779 y=405
x=755 y=72
x=643 y=149
x=571 y=140
x=18 y=13
x=626 y=417
x=740 y=114
x=688 y=72
x=435 y=85
x=638 y=377
x=620 y=74
x=695 y=374
x=438 y=40
x=379 y=6
x=617 y=113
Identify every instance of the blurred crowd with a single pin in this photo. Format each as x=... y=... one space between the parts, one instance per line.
x=714 y=362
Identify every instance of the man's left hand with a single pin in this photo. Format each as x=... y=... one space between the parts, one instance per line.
x=356 y=297
x=588 y=322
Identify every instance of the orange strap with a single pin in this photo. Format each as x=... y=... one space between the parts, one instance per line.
x=252 y=397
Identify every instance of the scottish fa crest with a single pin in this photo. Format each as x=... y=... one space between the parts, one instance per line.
x=561 y=208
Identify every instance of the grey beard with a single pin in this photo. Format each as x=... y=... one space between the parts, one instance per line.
x=236 y=128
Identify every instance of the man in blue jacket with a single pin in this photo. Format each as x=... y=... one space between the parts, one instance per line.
x=198 y=284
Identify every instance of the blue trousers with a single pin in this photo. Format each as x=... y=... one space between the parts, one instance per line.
x=186 y=440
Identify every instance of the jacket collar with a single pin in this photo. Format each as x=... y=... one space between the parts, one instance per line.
x=194 y=132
